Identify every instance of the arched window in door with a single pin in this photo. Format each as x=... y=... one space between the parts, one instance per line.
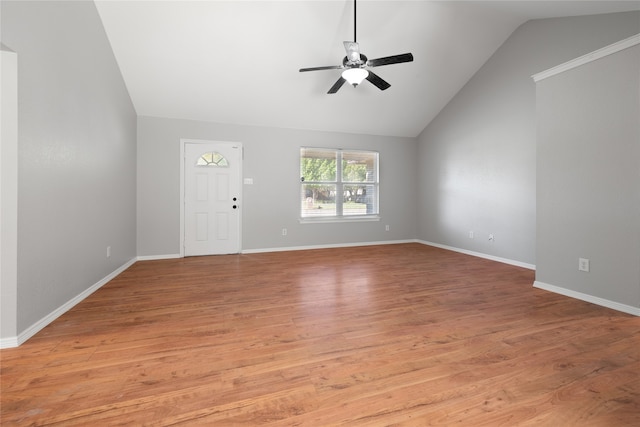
x=212 y=159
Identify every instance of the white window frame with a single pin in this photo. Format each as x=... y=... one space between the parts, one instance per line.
x=339 y=217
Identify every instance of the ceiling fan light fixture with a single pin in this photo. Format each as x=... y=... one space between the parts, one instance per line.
x=355 y=76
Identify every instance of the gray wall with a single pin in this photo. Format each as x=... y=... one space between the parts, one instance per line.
x=589 y=178
x=76 y=158
x=478 y=157
x=271 y=159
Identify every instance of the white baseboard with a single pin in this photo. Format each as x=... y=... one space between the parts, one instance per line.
x=42 y=323
x=288 y=248
x=156 y=257
x=38 y=326
x=588 y=298
x=9 y=342
x=339 y=245
x=480 y=255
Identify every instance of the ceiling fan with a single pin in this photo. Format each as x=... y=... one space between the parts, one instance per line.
x=355 y=64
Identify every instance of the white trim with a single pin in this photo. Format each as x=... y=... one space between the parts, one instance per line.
x=331 y=246
x=588 y=298
x=8 y=194
x=481 y=255
x=157 y=257
x=184 y=141
x=330 y=219
x=9 y=342
x=585 y=59
x=45 y=321
x=394 y=242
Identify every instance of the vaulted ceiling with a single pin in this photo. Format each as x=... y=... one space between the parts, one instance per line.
x=237 y=62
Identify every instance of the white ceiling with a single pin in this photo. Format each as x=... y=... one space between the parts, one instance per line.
x=237 y=62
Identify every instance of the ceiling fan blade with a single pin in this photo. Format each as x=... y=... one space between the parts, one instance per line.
x=387 y=60
x=337 y=85
x=377 y=81
x=353 y=51
x=328 y=67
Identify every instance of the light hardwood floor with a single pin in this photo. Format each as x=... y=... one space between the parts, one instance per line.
x=368 y=336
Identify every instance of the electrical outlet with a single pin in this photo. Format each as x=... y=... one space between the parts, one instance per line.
x=386 y=228
x=471 y=234
x=284 y=231
x=583 y=264
x=108 y=251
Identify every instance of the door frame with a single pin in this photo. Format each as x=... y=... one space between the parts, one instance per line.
x=183 y=142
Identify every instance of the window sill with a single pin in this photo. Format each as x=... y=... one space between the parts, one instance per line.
x=320 y=220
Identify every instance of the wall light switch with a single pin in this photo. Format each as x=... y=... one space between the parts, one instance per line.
x=583 y=264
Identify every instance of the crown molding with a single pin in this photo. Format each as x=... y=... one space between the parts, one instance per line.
x=589 y=57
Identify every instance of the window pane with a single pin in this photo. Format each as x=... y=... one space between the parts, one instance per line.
x=212 y=159
x=318 y=200
x=359 y=199
x=359 y=167
x=317 y=165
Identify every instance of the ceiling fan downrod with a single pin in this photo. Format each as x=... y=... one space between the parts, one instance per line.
x=355 y=40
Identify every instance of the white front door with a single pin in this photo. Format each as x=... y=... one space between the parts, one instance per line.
x=212 y=173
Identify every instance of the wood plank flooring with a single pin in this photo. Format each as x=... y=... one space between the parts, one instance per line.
x=405 y=335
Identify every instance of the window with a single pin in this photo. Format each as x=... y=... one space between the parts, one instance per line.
x=338 y=183
x=212 y=159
